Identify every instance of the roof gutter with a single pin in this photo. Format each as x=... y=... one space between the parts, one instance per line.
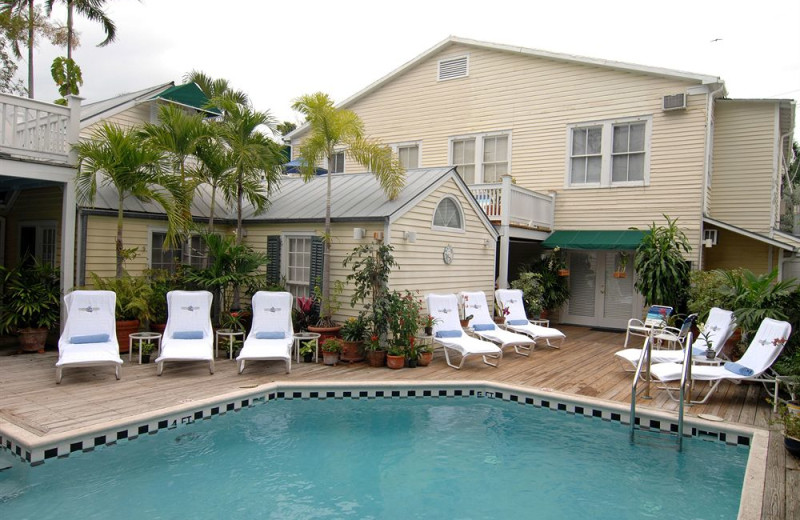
x=707 y=166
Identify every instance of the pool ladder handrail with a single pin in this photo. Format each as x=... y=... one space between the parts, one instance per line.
x=686 y=374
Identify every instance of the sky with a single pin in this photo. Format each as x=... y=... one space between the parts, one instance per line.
x=277 y=51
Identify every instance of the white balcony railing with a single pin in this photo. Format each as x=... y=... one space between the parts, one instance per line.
x=34 y=130
x=525 y=208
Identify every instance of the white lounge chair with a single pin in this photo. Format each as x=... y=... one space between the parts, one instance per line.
x=271 y=336
x=656 y=318
x=90 y=336
x=484 y=327
x=447 y=332
x=755 y=364
x=719 y=327
x=517 y=320
x=188 y=335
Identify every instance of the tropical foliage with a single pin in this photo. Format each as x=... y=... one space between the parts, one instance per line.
x=662 y=271
x=30 y=296
x=530 y=283
x=329 y=129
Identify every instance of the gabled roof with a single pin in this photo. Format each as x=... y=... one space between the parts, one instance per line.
x=92 y=112
x=537 y=53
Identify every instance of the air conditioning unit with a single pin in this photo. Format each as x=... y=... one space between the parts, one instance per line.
x=674 y=102
x=710 y=236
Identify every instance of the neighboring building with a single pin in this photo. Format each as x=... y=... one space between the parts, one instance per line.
x=592 y=145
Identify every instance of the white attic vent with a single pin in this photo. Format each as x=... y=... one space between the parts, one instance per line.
x=674 y=102
x=710 y=236
x=452 y=68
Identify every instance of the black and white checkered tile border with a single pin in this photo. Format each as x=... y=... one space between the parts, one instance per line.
x=110 y=437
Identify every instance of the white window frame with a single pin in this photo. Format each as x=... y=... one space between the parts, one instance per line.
x=479 y=145
x=344 y=161
x=606 y=155
x=185 y=256
x=285 y=241
x=41 y=226
x=460 y=209
x=409 y=144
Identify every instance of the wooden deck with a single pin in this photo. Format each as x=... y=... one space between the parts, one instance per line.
x=89 y=397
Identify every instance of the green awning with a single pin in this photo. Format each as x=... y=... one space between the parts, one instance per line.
x=590 y=239
x=188 y=94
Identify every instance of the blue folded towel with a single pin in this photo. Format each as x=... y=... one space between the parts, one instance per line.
x=89 y=338
x=266 y=334
x=187 y=334
x=448 y=333
x=483 y=326
x=697 y=351
x=736 y=368
x=517 y=322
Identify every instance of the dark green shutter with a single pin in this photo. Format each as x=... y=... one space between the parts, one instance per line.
x=317 y=263
x=274 y=254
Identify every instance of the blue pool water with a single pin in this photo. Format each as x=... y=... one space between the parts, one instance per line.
x=384 y=459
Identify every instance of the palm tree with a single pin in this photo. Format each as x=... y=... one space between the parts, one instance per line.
x=91 y=9
x=329 y=128
x=177 y=135
x=254 y=159
x=215 y=88
x=214 y=164
x=119 y=157
x=30 y=16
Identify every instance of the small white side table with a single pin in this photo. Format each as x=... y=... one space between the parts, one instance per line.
x=540 y=322
x=231 y=335
x=306 y=336
x=142 y=337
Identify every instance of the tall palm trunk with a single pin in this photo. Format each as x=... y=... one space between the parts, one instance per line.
x=69 y=29
x=31 y=14
x=119 y=237
x=326 y=251
x=235 y=304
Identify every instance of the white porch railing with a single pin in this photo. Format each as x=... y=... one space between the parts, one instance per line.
x=39 y=131
x=524 y=207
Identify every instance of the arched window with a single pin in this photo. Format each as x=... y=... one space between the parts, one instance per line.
x=448 y=215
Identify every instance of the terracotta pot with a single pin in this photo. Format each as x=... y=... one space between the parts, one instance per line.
x=326 y=332
x=620 y=275
x=499 y=320
x=425 y=359
x=32 y=340
x=124 y=329
x=376 y=358
x=563 y=272
x=352 y=351
x=395 y=362
x=464 y=323
x=330 y=358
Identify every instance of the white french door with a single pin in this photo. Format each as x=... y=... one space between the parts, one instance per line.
x=598 y=298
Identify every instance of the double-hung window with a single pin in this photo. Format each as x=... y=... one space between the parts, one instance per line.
x=609 y=153
x=191 y=252
x=481 y=158
x=338 y=162
x=298 y=265
x=38 y=240
x=408 y=155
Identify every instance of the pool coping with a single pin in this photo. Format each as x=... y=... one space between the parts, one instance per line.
x=34 y=449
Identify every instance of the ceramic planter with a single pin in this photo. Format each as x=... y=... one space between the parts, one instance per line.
x=124 y=329
x=424 y=359
x=330 y=358
x=376 y=358
x=395 y=362
x=32 y=340
x=352 y=351
x=326 y=332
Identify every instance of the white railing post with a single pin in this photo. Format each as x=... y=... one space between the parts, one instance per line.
x=73 y=126
x=505 y=222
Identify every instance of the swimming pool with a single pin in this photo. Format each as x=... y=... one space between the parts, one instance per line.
x=471 y=454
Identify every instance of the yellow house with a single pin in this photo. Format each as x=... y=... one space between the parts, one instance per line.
x=442 y=240
x=569 y=151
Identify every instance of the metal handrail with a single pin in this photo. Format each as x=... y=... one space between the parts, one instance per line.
x=686 y=376
x=645 y=355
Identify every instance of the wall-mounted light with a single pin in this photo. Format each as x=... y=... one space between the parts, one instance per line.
x=410 y=236
x=359 y=233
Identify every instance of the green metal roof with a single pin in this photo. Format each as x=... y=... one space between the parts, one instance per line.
x=188 y=94
x=593 y=239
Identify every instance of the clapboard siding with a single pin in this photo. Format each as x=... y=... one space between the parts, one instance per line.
x=744 y=178
x=536 y=99
x=134 y=116
x=36 y=205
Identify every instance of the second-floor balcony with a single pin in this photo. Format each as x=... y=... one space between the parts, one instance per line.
x=33 y=130
x=507 y=204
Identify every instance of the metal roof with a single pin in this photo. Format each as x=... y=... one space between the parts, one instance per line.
x=354 y=196
x=91 y=110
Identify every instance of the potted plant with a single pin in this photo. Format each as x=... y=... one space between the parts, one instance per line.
x=791 y=429
x=231 y=346
x=428 y=322
x=425 y=355
x=396 y=356
x=464 y=317
x=31 y=298
x=404 y=323
x=554 y=288
x=331 y=348
x=133 y=304
x=353 y=332
x=532 y=292
x=147 y=349
x=307 y=350
x=557 y=264
x=621 y=268
x=161 y=282
x=327 y=308
x=662 y=271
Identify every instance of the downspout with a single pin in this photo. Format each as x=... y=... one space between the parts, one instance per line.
x=707 y=171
